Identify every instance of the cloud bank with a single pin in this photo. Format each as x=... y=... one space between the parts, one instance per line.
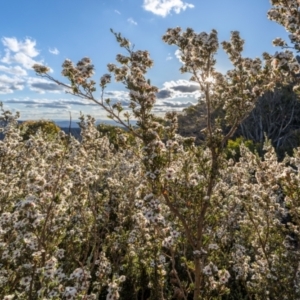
x=10 y=84
x=40 y=85
x=179 y=89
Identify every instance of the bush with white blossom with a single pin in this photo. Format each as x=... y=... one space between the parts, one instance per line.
x=157 y=217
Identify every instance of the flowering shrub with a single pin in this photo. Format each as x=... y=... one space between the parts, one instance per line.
x=58 y=210
x=158 y=217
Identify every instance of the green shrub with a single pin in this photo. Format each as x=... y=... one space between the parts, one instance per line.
x=233 y=147
x=116 y=135
x=31 y=127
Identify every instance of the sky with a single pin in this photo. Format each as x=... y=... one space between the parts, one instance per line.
x=48 y=32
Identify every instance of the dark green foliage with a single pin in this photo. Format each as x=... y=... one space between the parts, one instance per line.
x=276 y=116
x=192 y=120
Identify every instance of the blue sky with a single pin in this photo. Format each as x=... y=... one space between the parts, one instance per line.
x=48 y=32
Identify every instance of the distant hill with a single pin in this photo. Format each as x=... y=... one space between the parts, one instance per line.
x=74 y=129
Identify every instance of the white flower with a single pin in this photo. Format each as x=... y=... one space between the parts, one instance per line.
x=207 y=270
x=223 y=276
x=169 y=144
x=162 y=259
x=152 y=176
x=170 y=174
x=193 y=182
x=60 y=253
x=213 y=246
x=25 y=281
x=70 y=291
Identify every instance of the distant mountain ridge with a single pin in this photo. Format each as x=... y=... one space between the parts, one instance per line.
x=74 y=124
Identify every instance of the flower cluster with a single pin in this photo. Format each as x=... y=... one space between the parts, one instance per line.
x=286 y=14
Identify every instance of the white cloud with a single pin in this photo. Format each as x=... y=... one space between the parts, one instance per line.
x=27 y=47
x=131 y=21
x=117 y=12
x=17 y=70
x=20 y=52
x=19 y=58
x=164 y=7
x=178 y=54
x=54 y=51
x=10 y=84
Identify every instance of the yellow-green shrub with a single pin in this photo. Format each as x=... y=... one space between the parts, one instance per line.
x=233 y=147
x=31 y=127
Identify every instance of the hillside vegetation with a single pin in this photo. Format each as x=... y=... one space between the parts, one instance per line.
x=276 y=116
